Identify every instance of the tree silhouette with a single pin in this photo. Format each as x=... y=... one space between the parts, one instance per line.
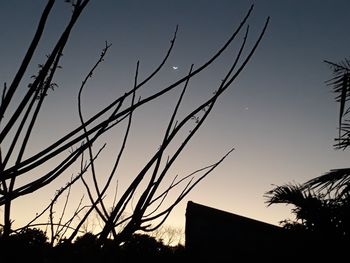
x=322 y=204
x=17 y=128
x=315 y=212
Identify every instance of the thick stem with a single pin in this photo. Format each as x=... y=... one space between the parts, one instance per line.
x=7 y=219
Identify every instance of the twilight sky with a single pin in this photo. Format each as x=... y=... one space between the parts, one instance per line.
x=279 y=114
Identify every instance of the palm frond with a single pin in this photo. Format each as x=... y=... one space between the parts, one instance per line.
x=341 y=87
x=306 y=202
x=340 y=66
x=288 y=194
x=336 y=181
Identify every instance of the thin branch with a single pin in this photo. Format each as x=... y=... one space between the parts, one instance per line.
x=93 y=171
x=60 y=191
x=58 y=48
x=46 y=151
x=153 y=183
x=6 y=99
x=186 y=190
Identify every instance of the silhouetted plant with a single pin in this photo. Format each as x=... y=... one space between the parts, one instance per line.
x=17 y=128
x=29 y=244
x=87 y=240
x=141 y=247
x=322 y=204
x=314 y=212
x=340 y=84
x=336 y=182
x=30 y=237
x=169 y=235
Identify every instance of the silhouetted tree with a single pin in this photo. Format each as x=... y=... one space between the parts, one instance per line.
x=322 y=204
x=17 y=128
x=29 y=244
x=315 y=212
x=169 y=235
x=337 y=181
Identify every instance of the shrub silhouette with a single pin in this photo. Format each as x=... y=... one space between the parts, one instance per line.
x=29 y=244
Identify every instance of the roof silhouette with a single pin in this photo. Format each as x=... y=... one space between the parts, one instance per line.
x=215 y=234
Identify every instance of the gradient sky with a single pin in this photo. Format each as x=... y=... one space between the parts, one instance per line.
x=279 y=114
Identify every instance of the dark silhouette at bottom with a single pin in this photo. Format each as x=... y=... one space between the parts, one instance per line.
x=214 y=235
x=31 y=246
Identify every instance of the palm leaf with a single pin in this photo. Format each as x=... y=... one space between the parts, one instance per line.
x=341 y=86
x=336 y=181
x=287 y=194
x=307 y=203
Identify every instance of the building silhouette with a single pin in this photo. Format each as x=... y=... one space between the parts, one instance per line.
x=218 y=236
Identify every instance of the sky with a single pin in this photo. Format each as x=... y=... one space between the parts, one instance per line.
x=279 y=115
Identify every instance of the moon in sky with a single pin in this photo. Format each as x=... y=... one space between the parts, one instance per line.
x=175 y=67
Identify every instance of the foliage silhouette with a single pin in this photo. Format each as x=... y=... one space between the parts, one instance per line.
x=27 y=245
x=322 y=204
x=315 y=212
x=31 y=244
